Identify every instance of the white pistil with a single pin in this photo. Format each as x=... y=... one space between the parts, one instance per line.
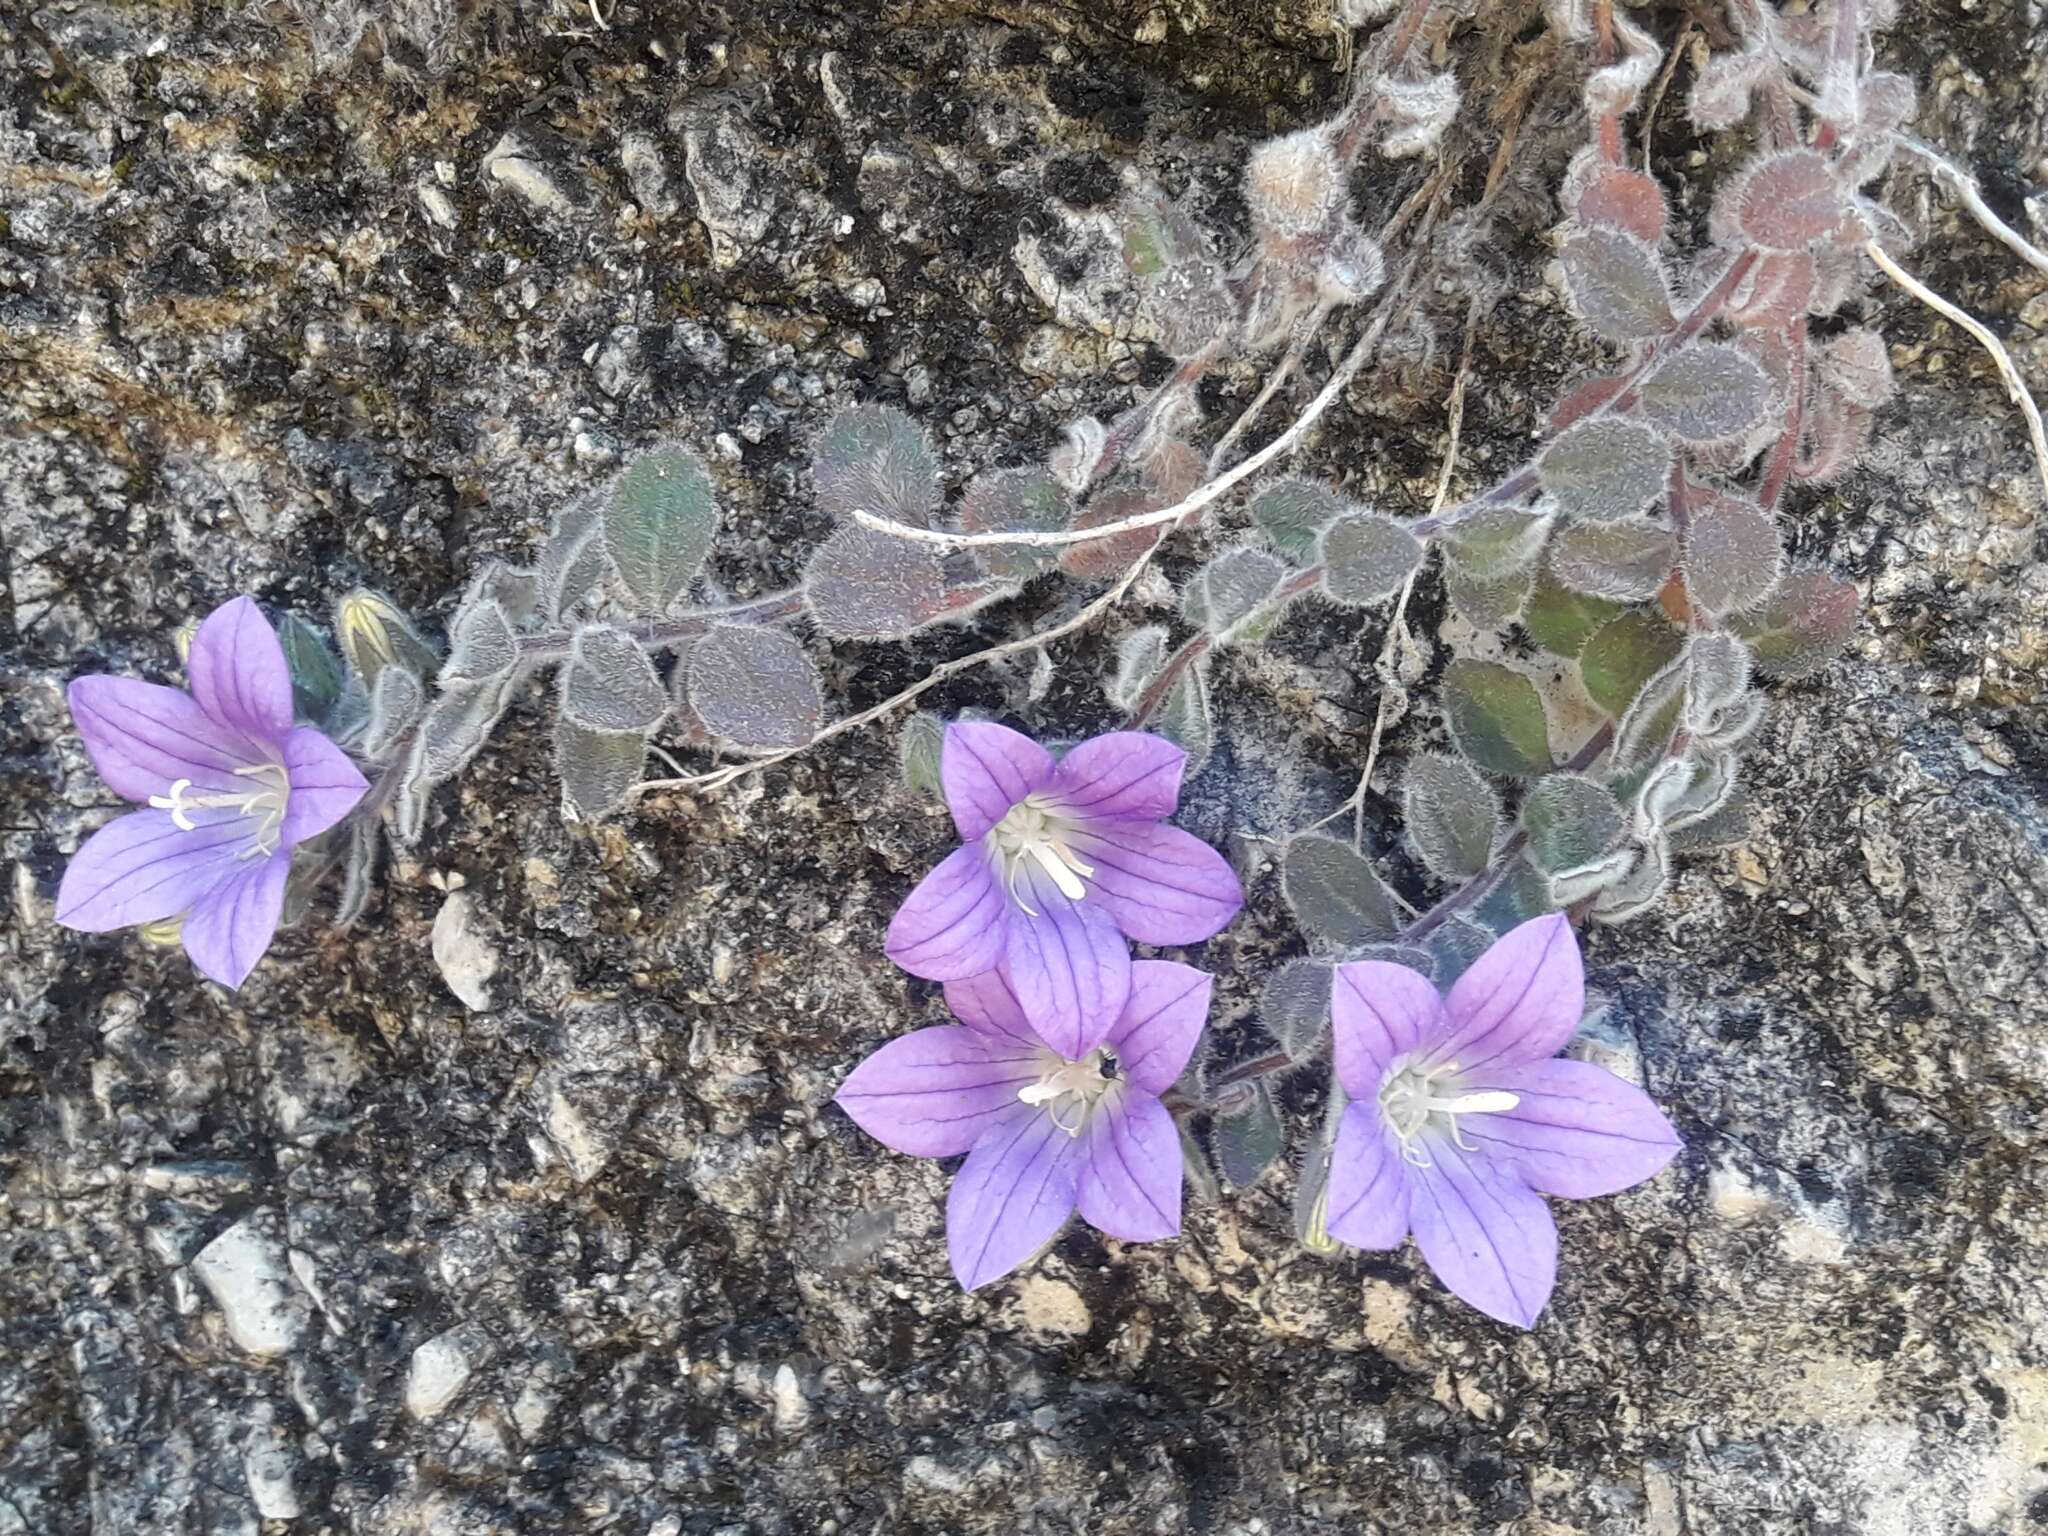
x=265 y=804
x=1069 y=1090
x=1410 y=1096
x=1038 y=831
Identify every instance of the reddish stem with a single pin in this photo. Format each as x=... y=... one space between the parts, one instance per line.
x=1779 y=469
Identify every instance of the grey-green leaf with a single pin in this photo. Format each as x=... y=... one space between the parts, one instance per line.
x=481 y=645
x=657 y=526
x=1295 y=1008
x=598 y=768
x=1184 y=718
x=1366 y=558
x=1606 y=467
x=1570 y=820
x=1292 y=514
x=865 y=585
x=1617 y=285
x=572 y=560
x=1139 y=656
x=918 y=746
x=875 y=459
x=1225 y=595
x=1335 y=894
x=754 y=687
x=1249 y=1139
x=1707 y=392
x=1453 y=815
x=315 y=669
x=1497 y=718
x=396 y=704
x=1732 y=556
x=609 y=684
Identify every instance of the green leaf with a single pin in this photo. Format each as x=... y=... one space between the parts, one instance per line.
x=1295 y=1008
x=865 y=585
x=1617 y=285
x=1452 y=947
x=657 y=526
x=1570 y=820
x=1184 y=718
x=1366 y=558
x=1487 y=603
x=1707 y=392
x=1522 y=895
x=315 y=669
x=1453 y=815
x=1250 y=1138
x=1626 y=654
x=609 y=684
x=1495 y=543
x=1606 y=467
x=1561 y=620
x=1805 y=624
x=1013 y=501
x=876 y=459
x=753 y=686
x=1497 y=718
x=1292 y=514
x=1732 y=556
x=1225 y=596
x=598 y=768
x=481 y=645
x=1334 y=893
x=1624 y=562
x=918 y=746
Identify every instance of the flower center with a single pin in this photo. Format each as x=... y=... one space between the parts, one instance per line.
x=1069 y=1090
x=269 y=793
x=1413 y=1095
x=1036 y=833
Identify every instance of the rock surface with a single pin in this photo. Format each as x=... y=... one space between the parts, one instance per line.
x=291 y=302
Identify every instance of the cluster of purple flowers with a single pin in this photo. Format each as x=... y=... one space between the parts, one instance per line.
x=1460 y=1118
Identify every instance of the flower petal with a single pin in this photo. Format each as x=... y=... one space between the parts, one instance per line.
x=143 y=868
x=230 y=927
x=1156 y=1033
x=1069 y=967
x=1488 y=1236
x=987 y=1005
x=238 y=671
x=1520 y=1001
x=1162 y=885
x=1131 y=1173
x=952 y=925
x=144 y=737
x=1579 y=1131
x=1016 y=1189
x=985 y=769
x=1378 y=1012
x=1123 y=776
x=938 y=1091
x=1368 y=1190
x=325 y=785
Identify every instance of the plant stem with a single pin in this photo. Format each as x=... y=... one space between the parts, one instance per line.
x=659 y=634
x=1196 y=647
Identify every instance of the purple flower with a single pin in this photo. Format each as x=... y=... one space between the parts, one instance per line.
x=1043 y=1132
x=231 y=784
x=1063 y=861
x=1462 y=1120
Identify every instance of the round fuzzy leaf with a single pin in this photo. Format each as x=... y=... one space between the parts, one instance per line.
x=918 y=746
x=1334 y=893
x=1624 y=655
x=1100 y=559
x=1856 y=366
x=1720 y=665
x=1732 y=556
x=657 y=525
x=1292 y=514
x=1623 y=562
x=1139 y=656
x=1011 y=501
x=1561 y=620
x=1248 y=1136
x=1453 y=815
x=1227 y=592
x=1615 y=198
x=1617 y=285
x=1707 y=393
x=1605 y=468
x=1570 y=821
x=873 y=458
x=1487 y=602
x=481 y=645
x=865 y=585
x=609 y=684
x=1788 y=201
x=1491 y=544
x=1807 y=621
x=598 y=768
x=754 y=687
x=1497 y=718
x=1295 y=1008
x=1366 y=558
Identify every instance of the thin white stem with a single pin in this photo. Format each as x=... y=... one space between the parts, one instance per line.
x=2015 y=386
x=1964 y=185
x=1312 y=324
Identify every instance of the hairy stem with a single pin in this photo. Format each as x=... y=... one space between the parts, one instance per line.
x=659 y=634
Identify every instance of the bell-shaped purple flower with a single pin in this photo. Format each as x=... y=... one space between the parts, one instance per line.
x=1062 y=862
x=231 y=785
x=1044 y=1133
x=1463 y=1118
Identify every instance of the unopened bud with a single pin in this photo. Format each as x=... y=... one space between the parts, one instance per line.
x=375 y=633
x=1294 y=184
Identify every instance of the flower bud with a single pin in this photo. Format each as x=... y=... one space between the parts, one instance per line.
x=1294 y=184
x=374 y=633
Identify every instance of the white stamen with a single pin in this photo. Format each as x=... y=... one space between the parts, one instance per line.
x=1069 y=1090
x=265 y=805
x=1408 y=1099
x=1037 y=832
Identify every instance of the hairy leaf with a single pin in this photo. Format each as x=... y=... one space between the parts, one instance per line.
x=609 y=684
x=1487 y=602
x=452 y=731
x=1185 y=720
x=514 y=588
x=1334 y=893
x=481 y=645
x=918 y=746
x=753 y=686
x=1606 y=468
x=1617 y=285
x=657 y=526
x=1707 y=392
x=572 y=559
x=1806 y=623
x=1613 y=197
x=873 y=458
x=1561 y=620
x=1225 y=595
x=1100 y=559
x=1720 y=666
x=1248 y=1138
x=1522 y=895
x=1856 y=366
x=1366 y=558
x=1139 y=656
x=1009 y=501
x=598 y=769
x=1732 y=555
x=1645 y=728
x=1787 y=201
x=1570 y=820
x=1295 y=1008
x=1452 y=947
x=1625 y=654
x=316 y=671
x=1622 y=562
x=1498 y=541
x=1639 y=890
x=396 y=703
x=1573 y=885
x=1453 y=815
x=1292 y=514
x=866 y=585
x=1497 y=718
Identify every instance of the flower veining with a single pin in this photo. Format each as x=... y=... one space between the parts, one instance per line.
x=1069 y=1089
x=1413 y=1093
x=265 y=804
x=1036 y=830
